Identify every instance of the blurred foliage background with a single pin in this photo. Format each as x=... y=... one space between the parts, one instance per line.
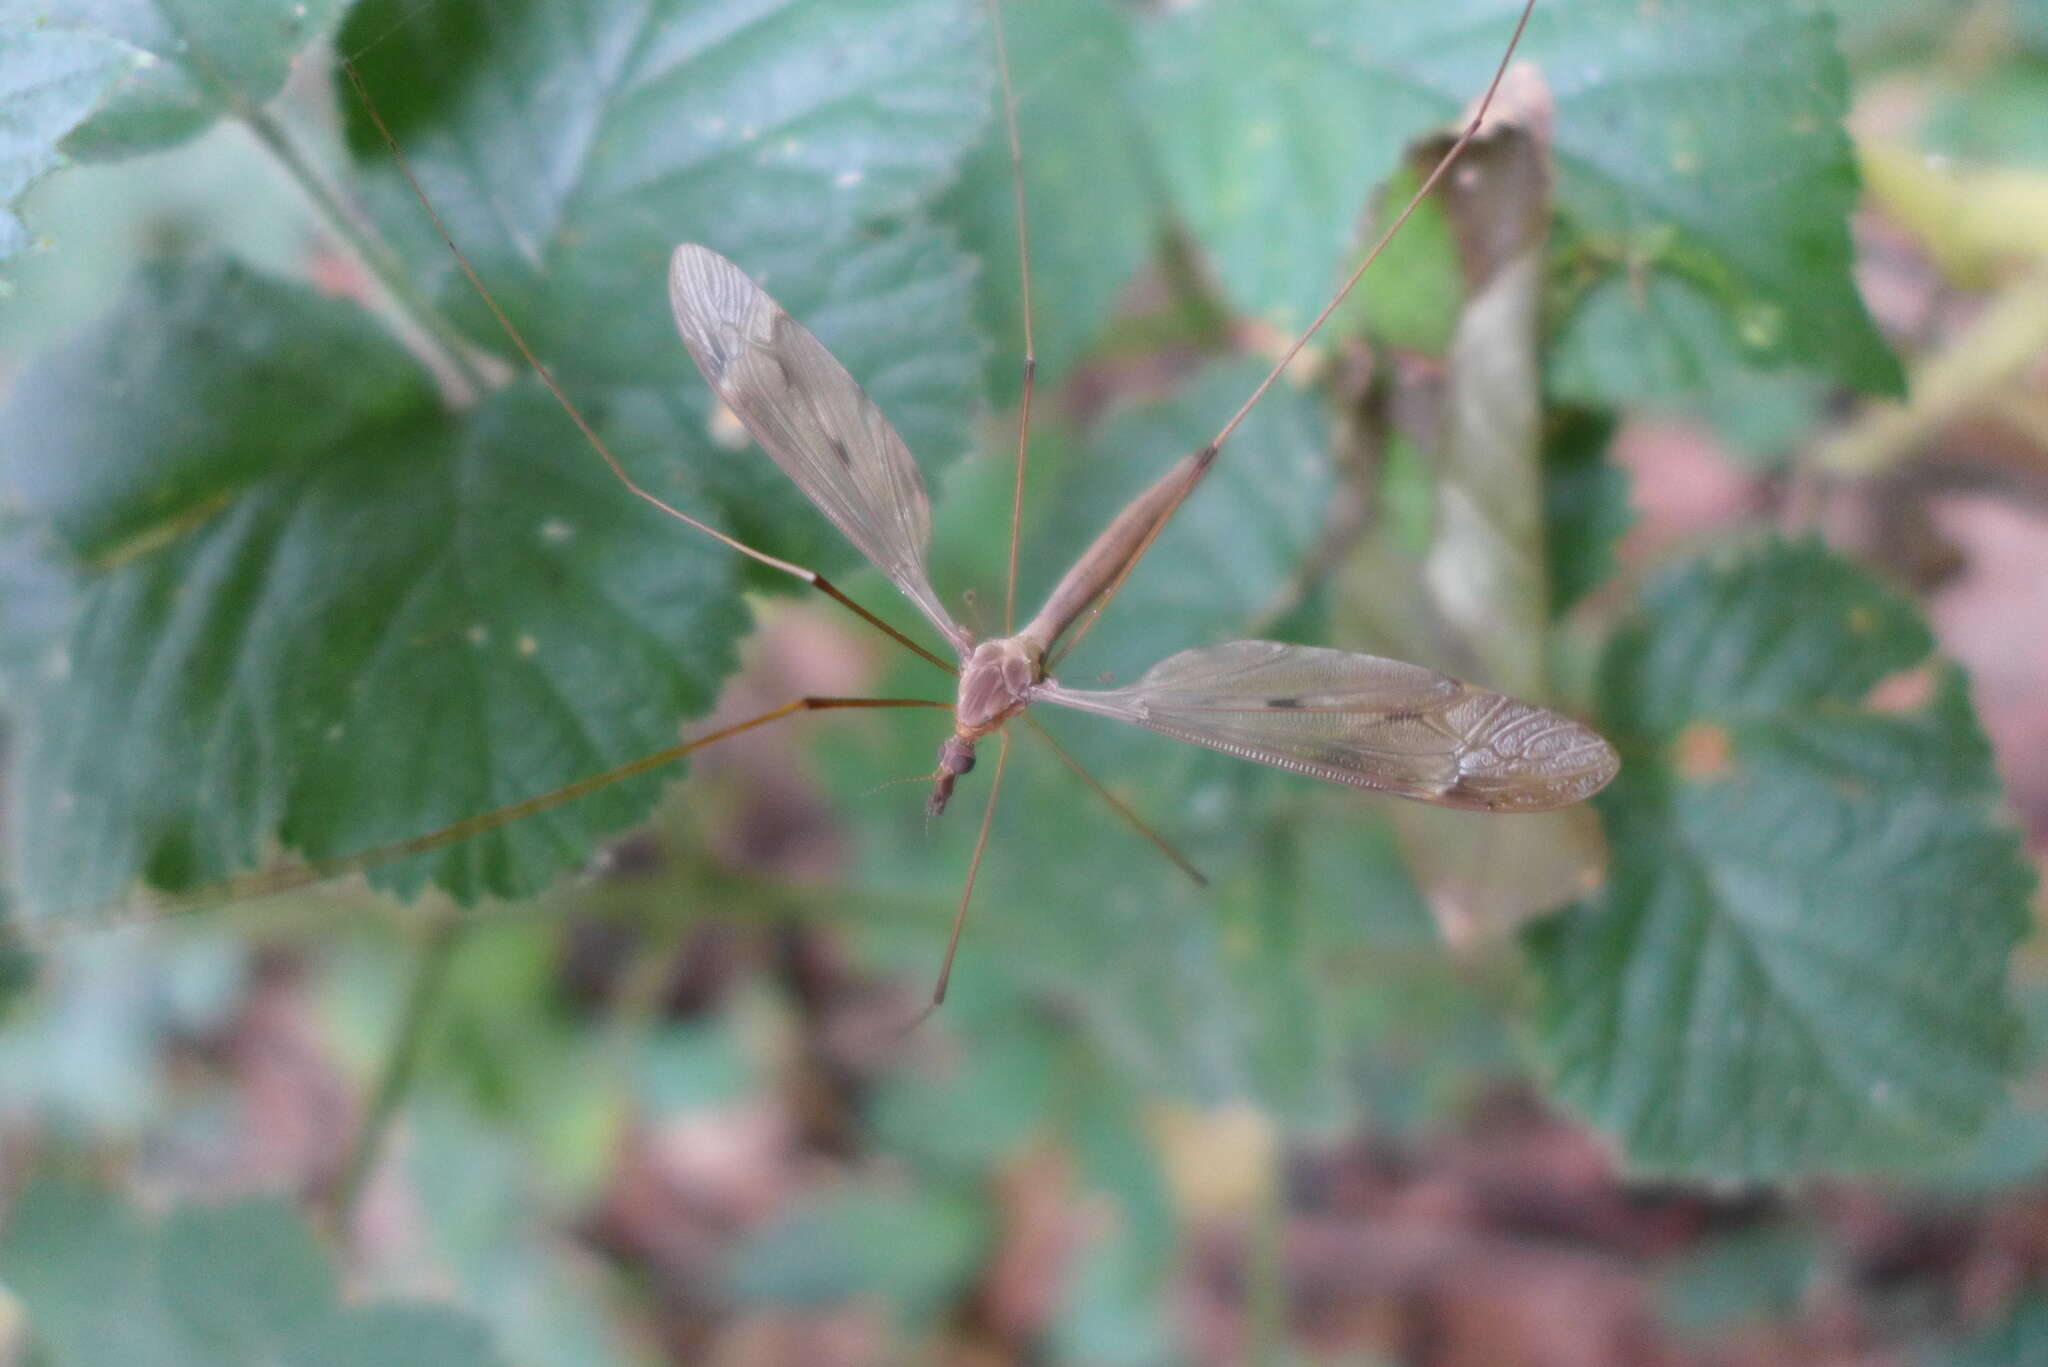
x=1707 y=401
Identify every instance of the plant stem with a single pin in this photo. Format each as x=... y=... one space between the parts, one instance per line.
x=375 y=256
x=1997 y=348
x=437 y=956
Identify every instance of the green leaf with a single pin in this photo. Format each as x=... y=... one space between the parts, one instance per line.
x=1273 y=127
x=914 y=1250
x=406 y=620
x=2001 y=117
x=1751 y=1276
x=2020 y=1341
x=1711 y=134
x=1112 y=1315
x=51 y=79
x=202 y=61
x=19 y=969
x=1118 y=1157
x=570 y=148
x=205 y=378
x=1585 y=507
x=37 y=598
x=1431 y=1028
x=2013 y=1147
x=1090 y=212
x=87 y=1053
x=244 y=1283
x=1113 y=1312
x=968 y=1121
x=1799 y=957
x=248 y=1277
x=426 y=1335
x=1703 y=130
x=686 y=1067
x=1299 y=941
x=1417 y=292
x=83 y=1267
x=1885 y=33
x=1405 y=497
x=493 y=1220
x=1665 y=345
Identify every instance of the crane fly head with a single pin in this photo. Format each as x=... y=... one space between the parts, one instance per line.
x=956 y=757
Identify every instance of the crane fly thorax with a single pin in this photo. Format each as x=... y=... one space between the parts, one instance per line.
x=995 y=684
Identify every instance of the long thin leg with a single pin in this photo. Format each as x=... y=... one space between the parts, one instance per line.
x=988 y=817
x=1117 y=804
x=274 y=881
x=995 y=19
x=808 y=576
x=1206 y=457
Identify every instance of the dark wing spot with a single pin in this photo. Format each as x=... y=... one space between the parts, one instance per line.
x=716 y=358
x=1472 y=797
x=1283 y=702
x=839 y=450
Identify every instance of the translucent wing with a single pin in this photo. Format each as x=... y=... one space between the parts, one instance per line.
x=810 y=417
x=1364 y=721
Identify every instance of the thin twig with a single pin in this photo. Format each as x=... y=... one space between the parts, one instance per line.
x=2004 y=340
x=401 y=1062
x=377 y=258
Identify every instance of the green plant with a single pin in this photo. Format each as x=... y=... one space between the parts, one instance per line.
x=283 y=585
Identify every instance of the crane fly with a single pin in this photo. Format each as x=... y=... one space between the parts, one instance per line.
x=1344 y=717
x=1348 y=718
